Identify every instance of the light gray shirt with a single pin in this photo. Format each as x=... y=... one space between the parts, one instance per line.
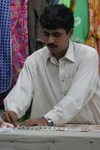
x=67 y=91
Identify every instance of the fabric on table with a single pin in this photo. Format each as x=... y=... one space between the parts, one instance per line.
x=81 y=21
x=55 y=86
x=5 y=48
x=19 y=36
x=35 y=9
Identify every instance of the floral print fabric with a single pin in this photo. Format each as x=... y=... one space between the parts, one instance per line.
x=94 y=14
x=93 y=38
x=19 y=36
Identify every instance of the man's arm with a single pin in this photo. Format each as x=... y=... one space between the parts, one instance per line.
x=80 y=92
x=19 y=98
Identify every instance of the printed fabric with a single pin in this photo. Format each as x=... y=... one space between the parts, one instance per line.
x=91 y=41
x=19 y=36
x=81 y=21
x=94 y=14
x=99 y=54
x=94 y=24
x=93 y=38
x=5 y=48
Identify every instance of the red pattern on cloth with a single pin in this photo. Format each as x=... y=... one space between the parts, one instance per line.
x=19 y=36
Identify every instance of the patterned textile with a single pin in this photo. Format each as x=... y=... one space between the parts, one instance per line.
x=19 y=35
x=99 y=54
x=93 y=38
x=81 y=21
x=91 y=41
x=94 y=14
x=5 y=47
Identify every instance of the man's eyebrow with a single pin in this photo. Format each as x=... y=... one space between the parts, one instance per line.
x=56 y=33
x=52 y=33
x=46 y=32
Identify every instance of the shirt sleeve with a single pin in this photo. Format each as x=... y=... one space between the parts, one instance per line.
x=81 y=91
x=19 y=99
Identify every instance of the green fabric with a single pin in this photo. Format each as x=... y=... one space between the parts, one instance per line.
x=43 y=44
x=65 y=2
x=81 y=21
x=25 y=117
x=71 y=3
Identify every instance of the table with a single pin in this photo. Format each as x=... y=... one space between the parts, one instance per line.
x=49 y=140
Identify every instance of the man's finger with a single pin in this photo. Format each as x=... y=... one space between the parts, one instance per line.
x=10 y=116
x=30 y=122
x=6 y=118
x=13 y=117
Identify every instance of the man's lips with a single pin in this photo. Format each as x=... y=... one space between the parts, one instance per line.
x=51 y=46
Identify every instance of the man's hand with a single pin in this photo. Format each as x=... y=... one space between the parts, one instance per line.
x=10 y=117
x=35 y=122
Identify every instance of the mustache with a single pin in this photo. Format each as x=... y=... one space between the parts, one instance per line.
x=52 y=44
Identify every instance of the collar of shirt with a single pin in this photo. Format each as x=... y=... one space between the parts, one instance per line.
x=69 y=54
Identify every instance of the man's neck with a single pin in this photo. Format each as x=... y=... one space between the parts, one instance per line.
x=59 y=55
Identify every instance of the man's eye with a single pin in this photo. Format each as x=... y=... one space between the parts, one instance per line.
x=47 y=34
x=56 y=35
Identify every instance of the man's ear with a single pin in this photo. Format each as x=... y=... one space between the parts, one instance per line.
x=71 y=32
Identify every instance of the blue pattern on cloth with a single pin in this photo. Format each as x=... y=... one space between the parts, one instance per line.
x=5 y=47
x=52 y=2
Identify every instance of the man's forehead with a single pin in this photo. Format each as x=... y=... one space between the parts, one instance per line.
x=59 y=30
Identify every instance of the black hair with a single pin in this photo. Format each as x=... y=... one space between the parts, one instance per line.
x=57 y=16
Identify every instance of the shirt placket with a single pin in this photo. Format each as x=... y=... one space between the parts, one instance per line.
x=62 y=77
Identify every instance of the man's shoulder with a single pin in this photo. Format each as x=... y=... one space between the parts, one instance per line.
x=39 y=53
x=84 y=49
x=37 y=57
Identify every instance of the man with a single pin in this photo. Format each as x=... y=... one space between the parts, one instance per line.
x=61 y=78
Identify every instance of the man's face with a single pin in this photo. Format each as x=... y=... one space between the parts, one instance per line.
x=57 y=40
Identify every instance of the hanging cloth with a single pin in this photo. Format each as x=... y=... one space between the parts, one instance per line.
x=99 y=54
x=19 y=36
x=81 y=21
x=35 y=30
x=91 y=41
x=5 y=47
x=73 y=6
x=52 y=2
x=67 y=3
x=94 y=13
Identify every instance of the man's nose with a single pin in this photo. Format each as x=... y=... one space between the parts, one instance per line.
x=50 y=40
